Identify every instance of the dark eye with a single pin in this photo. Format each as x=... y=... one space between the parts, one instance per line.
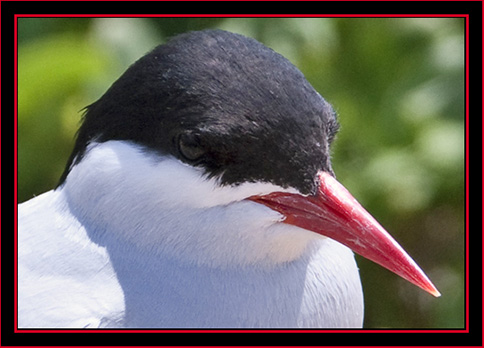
x=190 y=147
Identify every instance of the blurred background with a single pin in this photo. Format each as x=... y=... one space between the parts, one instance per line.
x=397 y=84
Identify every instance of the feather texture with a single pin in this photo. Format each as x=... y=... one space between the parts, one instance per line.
x=136 y=240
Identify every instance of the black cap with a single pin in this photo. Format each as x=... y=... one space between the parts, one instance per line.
x=221 y=101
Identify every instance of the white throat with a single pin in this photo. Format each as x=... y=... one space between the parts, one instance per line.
x=162 y=205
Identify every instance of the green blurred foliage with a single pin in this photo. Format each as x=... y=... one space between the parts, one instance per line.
x=396 y=83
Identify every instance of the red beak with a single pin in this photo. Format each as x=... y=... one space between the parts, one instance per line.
x=333 y=212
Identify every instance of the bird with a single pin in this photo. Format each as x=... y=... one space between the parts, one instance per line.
x=200 y=194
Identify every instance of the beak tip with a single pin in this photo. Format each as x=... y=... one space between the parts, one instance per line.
x=435 y=292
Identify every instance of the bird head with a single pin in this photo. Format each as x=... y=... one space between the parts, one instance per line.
x=235 y=141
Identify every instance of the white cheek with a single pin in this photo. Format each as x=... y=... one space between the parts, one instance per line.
x=166 y=206
x=182 y=184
